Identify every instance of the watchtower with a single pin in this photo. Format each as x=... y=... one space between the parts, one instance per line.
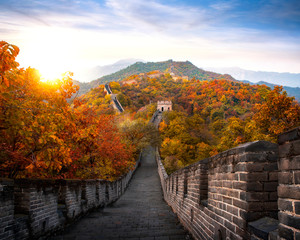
x=164 y=106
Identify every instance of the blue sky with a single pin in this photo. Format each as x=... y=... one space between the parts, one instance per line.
x=61 y=35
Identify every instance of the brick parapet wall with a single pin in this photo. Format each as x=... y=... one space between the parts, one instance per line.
x=218 y=197
x=31 y=208
x=289 y=185
x=6 y=209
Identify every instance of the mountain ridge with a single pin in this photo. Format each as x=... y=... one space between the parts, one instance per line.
x=96 y=72
x=291 y=91
x=178 y=68
x=277 y=78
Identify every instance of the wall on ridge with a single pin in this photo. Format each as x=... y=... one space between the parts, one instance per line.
x=116 y=104
x=217 y=197
x=31 y=208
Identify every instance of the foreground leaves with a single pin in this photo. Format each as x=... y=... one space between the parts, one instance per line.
x=42 y=135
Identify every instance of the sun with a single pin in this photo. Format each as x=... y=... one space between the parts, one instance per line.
x=51 y=51
x=50 y=75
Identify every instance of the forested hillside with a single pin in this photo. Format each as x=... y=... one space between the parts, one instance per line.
x=178 y=68
x=209 y=116
x=291 y=91
x=44 y=133
x=186 y=69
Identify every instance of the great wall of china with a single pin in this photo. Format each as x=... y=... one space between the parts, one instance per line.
x=248 y=192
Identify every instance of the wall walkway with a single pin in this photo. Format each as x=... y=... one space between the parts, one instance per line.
x=116 y=104
x=140 y=213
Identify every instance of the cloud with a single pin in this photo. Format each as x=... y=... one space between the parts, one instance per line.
x=223 y=6
x=56 y=13
x=156 y=15
x=216 y=29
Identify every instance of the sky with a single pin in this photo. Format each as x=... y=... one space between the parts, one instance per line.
x=70 y=35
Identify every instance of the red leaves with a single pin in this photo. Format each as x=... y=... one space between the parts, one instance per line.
x=44 y=136
x=278 y=113
x=8 y=53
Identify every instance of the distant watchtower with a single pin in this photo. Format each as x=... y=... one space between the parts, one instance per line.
x=164 y=106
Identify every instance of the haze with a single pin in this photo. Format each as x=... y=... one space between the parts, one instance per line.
x=57 y=36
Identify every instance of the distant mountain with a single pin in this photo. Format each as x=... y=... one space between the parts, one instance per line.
x=170 y=66
x=88 y=75
x=176 y=68
x=291 y=91
x=286 y=79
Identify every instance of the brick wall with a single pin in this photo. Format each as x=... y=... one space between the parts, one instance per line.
x=38 y=200
x=217 y=197
x=289 y=185
x=31 y=208
x=6 y=209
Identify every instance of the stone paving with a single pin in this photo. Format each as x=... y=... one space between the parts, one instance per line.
x=140 y=213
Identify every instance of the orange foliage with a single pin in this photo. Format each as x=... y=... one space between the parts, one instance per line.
x=43 y=135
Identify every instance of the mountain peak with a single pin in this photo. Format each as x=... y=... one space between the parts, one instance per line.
x=181 y=69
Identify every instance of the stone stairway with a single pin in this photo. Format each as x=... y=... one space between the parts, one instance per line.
x=140 y=213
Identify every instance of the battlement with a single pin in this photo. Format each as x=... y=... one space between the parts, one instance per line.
x=31 y=208
x=248 y=192
x=233 y=195
x=164 y=106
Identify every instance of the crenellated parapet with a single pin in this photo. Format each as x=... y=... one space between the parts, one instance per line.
x=31 y=208
x=233 y=195
x=164 y=106
x=289 y=184
x=115 y=102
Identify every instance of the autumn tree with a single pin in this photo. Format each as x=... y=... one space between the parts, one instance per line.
x=8 y=54
x=277 y=114
x=45 y=134
x=139 y=134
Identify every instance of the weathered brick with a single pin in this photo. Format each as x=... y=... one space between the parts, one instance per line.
x=254 y=196
x=285 y=233
x=288 y=136
x=273 y=176
x=296 y=147
x=251 y=186
x=296 y=177
x=258 y=146
x=233 y=210
x=271 y=166
x=288 y=191
x=250 y=216
x=289 y=220
x=270 y=186
x=297 y=207
x=261 y=176
x=227 y=184
x=249 y=167
x=285 y=177
x=240 y=204
x=229 y=225
x=240 y=185
x=240 y=222
x=289 y=149
x=285 y=205
x=255 y=206
x=271 y=206
x=285 y=150
x=273 y=196
x=289 y=163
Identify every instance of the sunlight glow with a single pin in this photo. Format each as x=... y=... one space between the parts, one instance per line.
x=50 y=50
x=50 y=75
